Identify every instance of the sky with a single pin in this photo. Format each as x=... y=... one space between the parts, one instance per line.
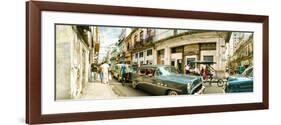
x=108 y=36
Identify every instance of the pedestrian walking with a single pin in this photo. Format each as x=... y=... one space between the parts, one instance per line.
x=123 y=73
x=110 y=72
x=105 y=68
x=94 y=70
x=187 y=68
x=100 y=73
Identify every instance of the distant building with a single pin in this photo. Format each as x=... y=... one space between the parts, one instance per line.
x=241 y=50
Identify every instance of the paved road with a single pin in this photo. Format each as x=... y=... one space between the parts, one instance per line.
x=97 y=90
x=212 y=89
x=126 y=90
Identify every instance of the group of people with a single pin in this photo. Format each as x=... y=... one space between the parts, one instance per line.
x=204 y=71
x=101 y=71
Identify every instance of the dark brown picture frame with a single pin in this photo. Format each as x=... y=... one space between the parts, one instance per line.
x=33 y=61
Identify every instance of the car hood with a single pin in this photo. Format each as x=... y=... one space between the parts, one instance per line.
x=179 y=78
x=236 y=78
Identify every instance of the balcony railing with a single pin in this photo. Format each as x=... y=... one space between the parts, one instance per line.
x=149 y=38
x=143 y=42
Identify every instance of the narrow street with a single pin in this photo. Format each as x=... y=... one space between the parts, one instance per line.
x=155 y=57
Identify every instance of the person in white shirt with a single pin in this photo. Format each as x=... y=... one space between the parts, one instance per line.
x=187 y=68
x=105 y=68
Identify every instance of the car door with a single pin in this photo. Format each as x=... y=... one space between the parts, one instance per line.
x=140 y=77
x=155 y=86
x=247 y=85
x=150 y=84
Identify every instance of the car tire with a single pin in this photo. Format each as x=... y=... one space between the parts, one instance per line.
x=172 y=92
x=118 y=79
x=134 y=84
x=123 y=82
x=220 y=83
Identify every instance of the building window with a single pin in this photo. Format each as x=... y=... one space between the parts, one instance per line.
x=141 y=54
x=128 y=46
x=135 y=38
x=208 y=58
x=177 y=50
x=149 y=52
x=149 y=32
x=189 y=60
x=141 y=35
x=173 y=63
x=136 y=55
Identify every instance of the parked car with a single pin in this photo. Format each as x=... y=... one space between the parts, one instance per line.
x=240 y=83
x=115 y=70
x=117 y=74
x=165 y=80
x=130 y=70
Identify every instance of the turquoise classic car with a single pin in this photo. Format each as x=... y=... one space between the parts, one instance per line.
x=241 y=83
x=165 y=80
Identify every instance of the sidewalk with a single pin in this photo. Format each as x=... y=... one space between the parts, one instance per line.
x=97 y=90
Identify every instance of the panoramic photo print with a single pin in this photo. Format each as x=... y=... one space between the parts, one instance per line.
x=108 y=62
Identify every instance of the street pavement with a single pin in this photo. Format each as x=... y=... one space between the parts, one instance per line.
x=98 y=90
x=212 y=89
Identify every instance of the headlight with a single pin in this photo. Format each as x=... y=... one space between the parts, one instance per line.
x=188 y=86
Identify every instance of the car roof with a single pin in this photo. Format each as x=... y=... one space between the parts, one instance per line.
x=153 y=66
x=203 y=62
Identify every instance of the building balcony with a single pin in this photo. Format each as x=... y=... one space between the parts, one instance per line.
x=149 y=39
x=138 y=44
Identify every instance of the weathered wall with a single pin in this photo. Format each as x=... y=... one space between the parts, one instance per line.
x=64 y=36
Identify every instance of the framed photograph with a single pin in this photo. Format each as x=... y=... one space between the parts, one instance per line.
x=94 y=62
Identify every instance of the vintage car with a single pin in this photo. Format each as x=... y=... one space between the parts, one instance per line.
x=240 y=83
x=116 y=72
x=130 y=70
x=165 y=80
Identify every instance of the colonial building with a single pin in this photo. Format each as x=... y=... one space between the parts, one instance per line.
x=179 y=49
x=242 y=53
x=142 y=46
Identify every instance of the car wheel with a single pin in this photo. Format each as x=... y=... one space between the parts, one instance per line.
x=118 y=78
x=134 y=84
x=122 y=82
x=172 y=92
x=220 y=83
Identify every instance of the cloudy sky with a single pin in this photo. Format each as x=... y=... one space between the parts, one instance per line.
x=108 y=36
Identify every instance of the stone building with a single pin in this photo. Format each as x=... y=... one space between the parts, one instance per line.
x=179 y=49
x=242 y=53
x=74 y=54
x=142 y=46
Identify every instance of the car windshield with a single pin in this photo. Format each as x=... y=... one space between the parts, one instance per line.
x=248 y=72
x=131 y=69
x=167 y=70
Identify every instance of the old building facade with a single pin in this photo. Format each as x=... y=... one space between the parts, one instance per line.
x=75 y=51
x=143 y=46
